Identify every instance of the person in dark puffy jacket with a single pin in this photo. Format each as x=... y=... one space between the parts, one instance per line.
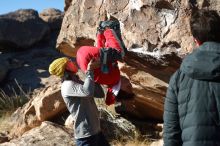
x=192 y=102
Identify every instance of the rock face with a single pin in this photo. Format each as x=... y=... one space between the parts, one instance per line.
x=145 y=24
x=214 y=5
x=45 y=106
x=67 y=4
x=48 y=134
x=53 y=17
x=150 y=26
x=154 y=24
x=148 y=83
x=21 y=29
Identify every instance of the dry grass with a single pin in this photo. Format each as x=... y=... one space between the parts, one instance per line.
x=8 y=104
x=138 y=140
x=5 y=124
x=12 y=102
x=134 y=142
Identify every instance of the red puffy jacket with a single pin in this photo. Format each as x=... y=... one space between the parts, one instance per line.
x=86 y=53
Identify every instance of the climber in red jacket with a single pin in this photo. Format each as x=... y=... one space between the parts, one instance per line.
x=109 y=49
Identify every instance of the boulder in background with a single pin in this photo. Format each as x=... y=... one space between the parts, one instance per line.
x=53 y=17
x=21 y=29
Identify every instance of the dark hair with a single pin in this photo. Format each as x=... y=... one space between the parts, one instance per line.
x=205 y=25
x=67 y=75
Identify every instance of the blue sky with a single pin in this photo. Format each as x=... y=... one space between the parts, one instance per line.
x=39 y=5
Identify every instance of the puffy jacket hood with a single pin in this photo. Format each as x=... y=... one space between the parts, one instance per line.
x=203 y=63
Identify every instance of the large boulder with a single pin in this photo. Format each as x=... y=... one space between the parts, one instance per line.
x=151 y=25
x=148 y=80
x=48 y=104
x=21 y=29
x=47 y=134
x=213 y=5
x=155 y=27
x=160 y=24
x=53 y=17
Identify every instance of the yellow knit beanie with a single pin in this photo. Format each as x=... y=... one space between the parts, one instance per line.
x=57 y=67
